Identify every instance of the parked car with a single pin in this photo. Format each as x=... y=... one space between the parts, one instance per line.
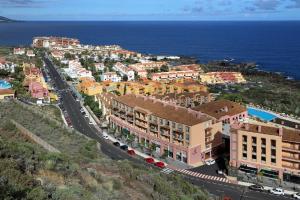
x=91 y=123
x=210 y=162
x=149 y=160
x=124 y=147
x=259 y=188
x=116 y=144
x=131 y=152
x=105 y=137
x=160 y=164
x=296 y=195
x=277 y=191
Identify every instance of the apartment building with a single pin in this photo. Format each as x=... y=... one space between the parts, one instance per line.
x=228 y=112
x=187 y=99
x=75 y=70
x=30 y=53
x=269 y=151
x=222 y=77
x=19 y=51
x=141 y=68
x=89 y=86
x=179 y=133
x=105 y=100
x=172 y=75
x=48 y=42
x=110 y=76
x=124 y=70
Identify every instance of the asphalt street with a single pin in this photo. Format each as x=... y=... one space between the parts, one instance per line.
x=81 y=124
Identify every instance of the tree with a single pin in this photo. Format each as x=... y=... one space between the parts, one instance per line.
x=125 y=77
x=130 y=139
x=69 y=56
x=164 y=68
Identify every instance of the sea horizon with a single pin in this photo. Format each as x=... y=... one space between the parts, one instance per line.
x=273 y=45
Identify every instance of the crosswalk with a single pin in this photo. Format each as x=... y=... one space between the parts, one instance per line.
x=203 y=176
x=167 y=170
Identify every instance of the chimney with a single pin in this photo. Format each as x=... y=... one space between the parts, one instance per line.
x=247 y=127
x=259 y=128
x=280 y=131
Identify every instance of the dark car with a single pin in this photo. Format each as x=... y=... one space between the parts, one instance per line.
x=124 y=147
x=259 y=188
x=117 y=144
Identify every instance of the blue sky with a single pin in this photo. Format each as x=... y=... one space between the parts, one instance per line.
x=151 y=9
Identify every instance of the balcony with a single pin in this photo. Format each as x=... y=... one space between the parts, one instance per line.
x=291 y=148
x=291 y=158
x=140 y=117
x=178 y=138
x=153 y=129
x=165 y=127
x=291 y=167
x=141 y=124
x=129 y=114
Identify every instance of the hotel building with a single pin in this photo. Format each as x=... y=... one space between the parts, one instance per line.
x=172 y=75
x=222 y=77
x=187 y=99
x=270 y=151
x=179 y=133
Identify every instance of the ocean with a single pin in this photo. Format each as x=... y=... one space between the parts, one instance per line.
x=274 y=46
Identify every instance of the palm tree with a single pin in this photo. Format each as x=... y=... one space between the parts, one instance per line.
x=130 y=139
x=152 y=148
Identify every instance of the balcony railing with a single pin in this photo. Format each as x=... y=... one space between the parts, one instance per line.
x=291 y=148
x=291 y=158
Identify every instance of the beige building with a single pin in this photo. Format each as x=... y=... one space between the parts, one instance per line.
x=105 y=103
x=270 y=151
x=177 y=132
x=187 y=99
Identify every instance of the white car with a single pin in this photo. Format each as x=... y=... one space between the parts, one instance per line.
x=277 y=191
x=210 y=162
x=105 y=137
x=296 y=195
x=91 y=123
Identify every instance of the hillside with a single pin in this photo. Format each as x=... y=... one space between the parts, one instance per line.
x=81 y=171
x=5 y=19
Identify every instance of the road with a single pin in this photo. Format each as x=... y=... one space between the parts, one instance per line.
x=81 y=124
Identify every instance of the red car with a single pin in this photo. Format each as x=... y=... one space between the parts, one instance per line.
x=149 y=160
x=160 y=164
x=131 y=152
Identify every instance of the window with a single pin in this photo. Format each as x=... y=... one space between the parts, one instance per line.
x=187 y=129
x=161 y=121
x=244 y=138
x=253 y=140
x=263 y=159
x=273 y=152
x=173 y=124
x=244 y=147
x=253 y=149
x=273 y=143
x=253 y=156
x=273 y=160
x=263 y=141
x=187 y=136
x=263 y=151
x=244 y=155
